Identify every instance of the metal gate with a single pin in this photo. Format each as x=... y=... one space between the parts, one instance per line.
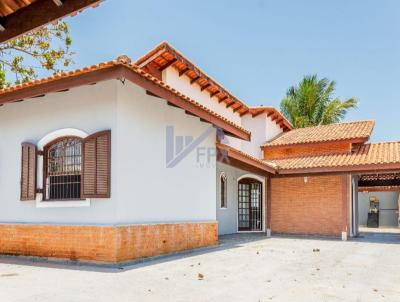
x=250 y=205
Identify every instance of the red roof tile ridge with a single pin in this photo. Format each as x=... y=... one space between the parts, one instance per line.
x=173 y=49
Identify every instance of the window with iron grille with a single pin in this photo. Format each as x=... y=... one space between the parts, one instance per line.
x=63 y=169
x=223 y=191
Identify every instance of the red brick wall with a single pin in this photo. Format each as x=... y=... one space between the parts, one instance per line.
x=104 y=243
x=305 y=150
x=314 y=207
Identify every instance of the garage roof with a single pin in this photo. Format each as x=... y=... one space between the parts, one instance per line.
x=366 y=157
x=358 y=131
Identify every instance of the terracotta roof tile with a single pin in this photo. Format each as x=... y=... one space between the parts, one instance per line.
x=269 y=165
x=359 y=130
x=275 y=113
x=366 y=154
x=120 y=61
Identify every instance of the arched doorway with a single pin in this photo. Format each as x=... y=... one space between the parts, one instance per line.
x=250 y=212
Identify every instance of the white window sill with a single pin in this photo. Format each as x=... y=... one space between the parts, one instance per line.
x=61 y=204
x=223 y=208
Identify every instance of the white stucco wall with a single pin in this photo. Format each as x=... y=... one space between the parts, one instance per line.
x=143 y=190
x=148 y=191
x=262 y=129
x=89 y=108
x=228 y=217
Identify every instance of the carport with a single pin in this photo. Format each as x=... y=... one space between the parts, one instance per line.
x=375 y=202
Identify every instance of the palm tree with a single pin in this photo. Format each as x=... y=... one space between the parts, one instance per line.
x=311 y=103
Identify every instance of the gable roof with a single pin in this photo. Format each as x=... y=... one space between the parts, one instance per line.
x=366 y=157
x=120 y=68
x=358 y=132
x=164 y=55
x=273 y=113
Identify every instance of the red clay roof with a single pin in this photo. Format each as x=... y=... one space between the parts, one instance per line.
x=247 y=158
x=372 y=157
x=359 y=131
x=13 y=93
x=164 y=55
x=273 y=113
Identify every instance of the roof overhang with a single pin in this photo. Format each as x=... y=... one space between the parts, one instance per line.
x=353 y=169
x=354 y=141
x=237 y=158
x=119 y=70
x=19 y=17
x=271 y=112
x=164 y=56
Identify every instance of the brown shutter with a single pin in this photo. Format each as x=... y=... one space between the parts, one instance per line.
x=28 y=171
x=96 y=150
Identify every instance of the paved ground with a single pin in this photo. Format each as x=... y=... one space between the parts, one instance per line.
x=249 y=268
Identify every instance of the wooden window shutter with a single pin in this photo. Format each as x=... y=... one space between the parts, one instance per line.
x=96 y=164
x=28 y=171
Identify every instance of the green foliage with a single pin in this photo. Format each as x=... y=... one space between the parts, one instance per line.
x=44 y=49
x=311 y=103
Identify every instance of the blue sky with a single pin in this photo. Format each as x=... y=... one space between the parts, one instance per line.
x=257 y=49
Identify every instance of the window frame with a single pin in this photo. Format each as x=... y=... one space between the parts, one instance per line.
x=45 y=168
x=49 y=137
x=223 y=192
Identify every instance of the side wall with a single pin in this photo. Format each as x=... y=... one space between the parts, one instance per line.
x=149 y=191
x=311 y=205
x=89 y=108
x=143 y=189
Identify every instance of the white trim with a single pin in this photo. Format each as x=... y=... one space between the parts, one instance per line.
x=60 y=133
x=262 y=180
x=223 y=174
x=39 y=177
x=61 y=204
x=259 y=178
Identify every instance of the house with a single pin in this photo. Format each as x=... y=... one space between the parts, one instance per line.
x=122 y=160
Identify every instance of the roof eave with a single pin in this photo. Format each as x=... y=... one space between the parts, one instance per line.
x=232 y=153
x=37 y=14
x=369 y=168
x=359 y=140
x=118 y=71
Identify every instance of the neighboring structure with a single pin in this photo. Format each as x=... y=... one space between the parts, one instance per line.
x=117 y=161
x=20 y=16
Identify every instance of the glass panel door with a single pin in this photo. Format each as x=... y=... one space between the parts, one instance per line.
x=250 y=205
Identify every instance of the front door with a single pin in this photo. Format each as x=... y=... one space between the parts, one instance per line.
x=250 y=205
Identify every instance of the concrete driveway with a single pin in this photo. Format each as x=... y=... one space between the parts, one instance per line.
x=242 y=268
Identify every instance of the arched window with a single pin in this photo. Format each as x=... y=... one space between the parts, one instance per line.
x=223 y=191
x=63 y=169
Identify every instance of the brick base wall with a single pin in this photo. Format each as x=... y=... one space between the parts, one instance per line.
x=314 y=207
x=104 y=243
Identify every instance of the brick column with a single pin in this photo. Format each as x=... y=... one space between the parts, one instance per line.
x=345 y=206
x=268 y=205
